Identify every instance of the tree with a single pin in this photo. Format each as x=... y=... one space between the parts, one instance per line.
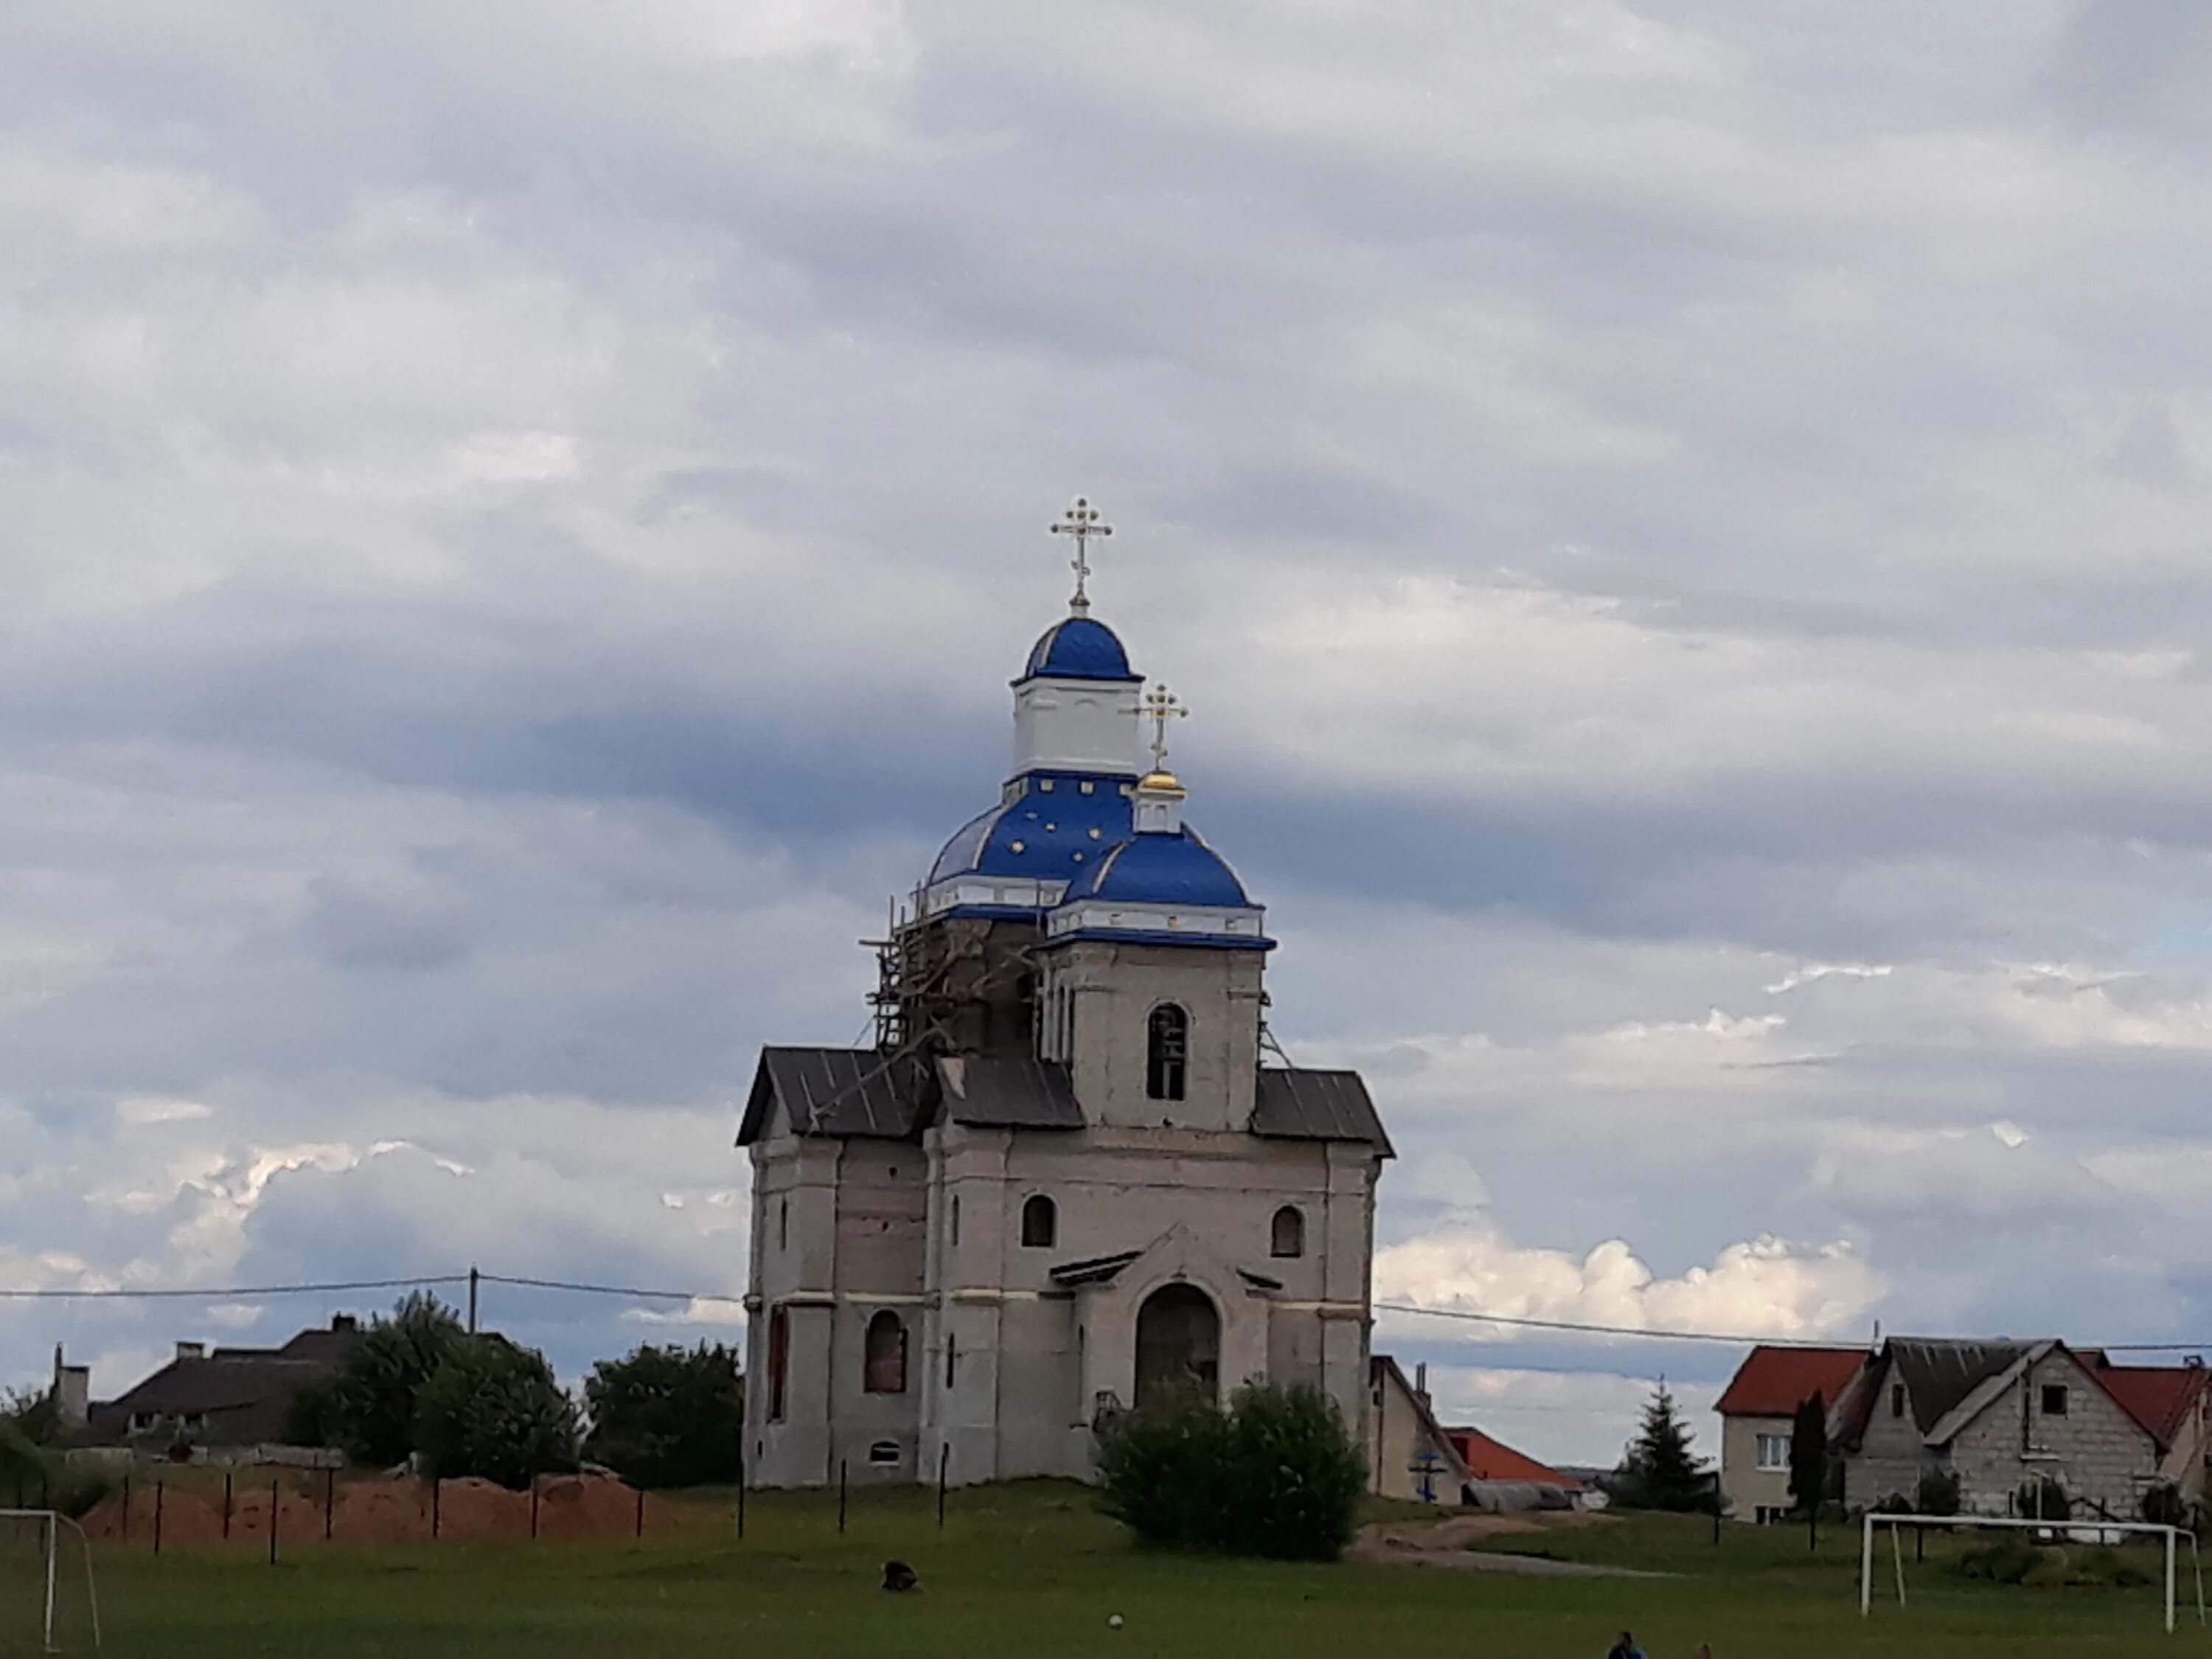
x=1658 y=1471
x=669 y=1417
x=1937 y=1493
x=369 y=1408
x=1275 y=1475
x=1809 y=1455
x=492 y=1410
x=33 y=1413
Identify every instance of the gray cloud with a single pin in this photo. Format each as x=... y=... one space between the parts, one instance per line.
x=511 y=538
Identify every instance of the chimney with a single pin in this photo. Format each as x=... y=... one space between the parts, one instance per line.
x=1421 y=1381
x=344 y=1322
x=191 y=1351
x=72 y=1393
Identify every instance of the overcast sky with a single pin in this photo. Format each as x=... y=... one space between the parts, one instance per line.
x=1683 y=528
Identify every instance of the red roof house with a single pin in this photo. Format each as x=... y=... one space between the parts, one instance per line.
x=1775 y=1382
x=1493 y=1459
x=2163 y=1398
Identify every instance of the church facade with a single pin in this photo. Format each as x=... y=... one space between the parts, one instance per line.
x=1063 y=1179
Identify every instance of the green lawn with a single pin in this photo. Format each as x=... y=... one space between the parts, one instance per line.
x=1031 y=1569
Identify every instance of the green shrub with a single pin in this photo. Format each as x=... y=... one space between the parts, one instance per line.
x=2163 y=1505
x=669 y=1417
x=494 y=1410
x=2008 y=1560
x=1275 y=1475
x=1895 y=1503
x=2043 y=1499
x=1937 y=1493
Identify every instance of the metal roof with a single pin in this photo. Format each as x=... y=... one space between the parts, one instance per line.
x=834 y=1091
x=1001 y=1093
x=1295 y=1103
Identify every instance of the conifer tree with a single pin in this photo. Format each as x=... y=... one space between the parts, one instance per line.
x=1809 y=1455
x=1658 y=1470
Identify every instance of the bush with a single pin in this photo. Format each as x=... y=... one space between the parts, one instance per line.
x=2043 y=1499
x=669 y=1417
x=494 y=1411
x=2163 y=1505
x=369 y=1408
x=1275 y=1475
x=45 y=1478
x=1895 y=1503
x=2010 y=1560
x=1937 y=1493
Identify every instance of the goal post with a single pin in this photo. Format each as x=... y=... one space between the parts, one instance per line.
x=47 y=1592
x=2099 y=1530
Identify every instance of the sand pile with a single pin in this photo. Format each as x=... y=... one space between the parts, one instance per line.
x=369 y=1510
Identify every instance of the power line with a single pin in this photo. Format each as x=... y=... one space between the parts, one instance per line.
x=606 y=1289
x=230 y=1292
x=1733 y=1338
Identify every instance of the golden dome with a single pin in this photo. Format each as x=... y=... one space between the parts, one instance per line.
x=1161 y=782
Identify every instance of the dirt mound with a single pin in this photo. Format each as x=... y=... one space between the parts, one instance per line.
x=371 y=1510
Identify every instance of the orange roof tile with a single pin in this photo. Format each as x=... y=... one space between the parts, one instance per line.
x=1774 y=1381
x=1491 y=1459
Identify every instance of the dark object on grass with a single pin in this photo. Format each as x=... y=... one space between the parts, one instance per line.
x=897 y=1576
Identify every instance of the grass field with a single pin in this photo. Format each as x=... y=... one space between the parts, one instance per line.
x=1033 y=1570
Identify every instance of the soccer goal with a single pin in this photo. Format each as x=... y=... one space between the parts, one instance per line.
x=2088 y=1532
x=39 y=1570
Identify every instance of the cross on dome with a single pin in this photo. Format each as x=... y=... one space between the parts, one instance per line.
x=1081 y=521
x=1160 y=706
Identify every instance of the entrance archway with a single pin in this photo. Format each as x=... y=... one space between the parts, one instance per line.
x=1178 y=1344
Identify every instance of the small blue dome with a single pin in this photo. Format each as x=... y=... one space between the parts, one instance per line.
x=1079 y=649
x=1163 y=869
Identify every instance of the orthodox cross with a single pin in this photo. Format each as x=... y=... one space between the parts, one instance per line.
x=1162 y=705
x=1082 y=522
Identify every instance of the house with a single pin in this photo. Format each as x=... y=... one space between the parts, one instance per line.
x=1410 y=1456
x=1757 y=1410
x=1501 y=1478
x=1996 y=1416
x=219 y=1397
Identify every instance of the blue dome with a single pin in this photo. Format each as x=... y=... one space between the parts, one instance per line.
x=1059 y=826
x=1079 y=649
x=1163 y=869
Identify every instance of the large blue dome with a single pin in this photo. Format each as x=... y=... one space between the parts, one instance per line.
x=1163 y=869
x=1059 y=827
x=1079 y=649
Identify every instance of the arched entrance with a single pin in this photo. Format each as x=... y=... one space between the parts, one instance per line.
x=1178 y=1344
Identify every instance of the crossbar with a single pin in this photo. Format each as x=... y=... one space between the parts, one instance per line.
x=2001 y=1523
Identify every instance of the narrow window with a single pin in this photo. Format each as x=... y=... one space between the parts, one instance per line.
x=1897 y=1399
x=1039 y=1223
x=779 y=1362
x=952 y=1357
x=884 y=1368
x=954 y=1230
x=2054 y=1400
x=1287 y=1237
x=783 y=1223
x=1167 y=1052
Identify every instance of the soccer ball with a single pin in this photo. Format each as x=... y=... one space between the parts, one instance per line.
x=1113 y=1622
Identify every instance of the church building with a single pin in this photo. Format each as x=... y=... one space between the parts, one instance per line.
x=1065 y=1177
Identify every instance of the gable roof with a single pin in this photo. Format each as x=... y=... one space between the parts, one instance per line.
x=241 y=1393
x=1493 y=1459
x=834 y=1091
x=1772 y=1382
x=1382 y=1373
x=2158 y=1397
x=1300 y=1103
x=1941 y=1373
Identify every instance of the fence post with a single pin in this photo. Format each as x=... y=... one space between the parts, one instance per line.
x=841 y=1494
x=473 y=1278
x=943 y=1464
x=534 y=1506
x=741 y=1506
x=640 y=1513
x=434 y=1506
x=225 y=1505
x=274 y=1508
x=329 y=1502
x=126 y=1508
x=157 y=1516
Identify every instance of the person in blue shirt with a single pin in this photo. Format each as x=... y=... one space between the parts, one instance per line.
x=1626 y=1648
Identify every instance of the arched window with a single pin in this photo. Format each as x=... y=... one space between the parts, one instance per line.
x=1039 y=1223
x=779 y=1361
x=1167 y=1052
x=1287 y=1235
x=883 y=1370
